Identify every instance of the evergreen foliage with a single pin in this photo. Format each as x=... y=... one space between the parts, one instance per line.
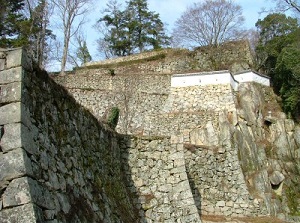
x=83 y=53
x=113 y=117
x=278 y=55
x=134 y=29
x=12 y=23
x=17 y=30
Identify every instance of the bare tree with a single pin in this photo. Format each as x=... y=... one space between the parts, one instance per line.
x=286 y=5
x=209 y=23
x=103 y=46
x=72 y=14
x=81 y=55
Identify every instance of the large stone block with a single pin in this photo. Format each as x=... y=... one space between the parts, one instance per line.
x=17 y=135
x=11 y=92
x=22 y=214
x=26 y=190
x=13 y=113
x=18 y=57
x=14 y=164
x=2 y=64
x=10 y=113
x=11 y=75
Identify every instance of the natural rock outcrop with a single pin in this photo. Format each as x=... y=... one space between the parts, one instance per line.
x=198 y=153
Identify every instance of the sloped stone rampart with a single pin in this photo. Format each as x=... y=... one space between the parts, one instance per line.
x=135 y=96
x=156 y=167
x=58 y=163
x=234 y=56
x=194 y=98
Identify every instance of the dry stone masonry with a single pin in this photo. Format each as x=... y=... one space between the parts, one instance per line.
x=58 y=163
x=194 y=154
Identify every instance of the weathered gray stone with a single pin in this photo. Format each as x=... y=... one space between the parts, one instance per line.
x=10 y=113
x=17 y=135
x=22 y=214
x=17 y=58
x=297 y=135
x=14 y=164
x=64 y=203
x=11 y=93
x=26 y=190
x=14 y=58
x=2 y=64
x=220 y=204
x=276 y=178
x=11 y=75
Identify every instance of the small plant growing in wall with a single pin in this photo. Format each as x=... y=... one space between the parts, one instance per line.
x=113 y=117
x=112 y=72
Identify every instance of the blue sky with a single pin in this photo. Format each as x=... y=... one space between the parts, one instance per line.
x=169 y=11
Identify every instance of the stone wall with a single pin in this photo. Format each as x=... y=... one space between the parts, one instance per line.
x=213 y=167
x=148 y=101
x=156 y=167
x=197 y=151
x=135 y=96
x=58 y=163
x=16 y=145
x=234 y=56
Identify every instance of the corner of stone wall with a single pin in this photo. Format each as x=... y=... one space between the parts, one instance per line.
x=16 y=203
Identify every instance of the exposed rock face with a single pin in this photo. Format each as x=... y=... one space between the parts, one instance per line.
x=240 y=150
x=268 y=151
x=200 y=154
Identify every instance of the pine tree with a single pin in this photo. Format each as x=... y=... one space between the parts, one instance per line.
x=83 y=53
x=134 y=29
x=148 y=28
x=12 y=21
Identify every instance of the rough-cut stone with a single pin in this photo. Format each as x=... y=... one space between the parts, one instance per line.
x=14 y=111
x=11 y=75
x=297 y=135
x=14 y=164
x=25 y=190
x=17 y=135
x=10 y=93
x=221 y=159
x=276 y=178
x=64 y=203
x=17 y=58
x=22 y=214
x=17 y=113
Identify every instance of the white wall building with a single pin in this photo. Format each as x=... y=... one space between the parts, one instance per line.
x=218 y=77
x=251 y=76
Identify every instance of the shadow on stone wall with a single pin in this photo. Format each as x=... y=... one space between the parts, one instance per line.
x=126 y=143
x=61 y=164
x=195 y=192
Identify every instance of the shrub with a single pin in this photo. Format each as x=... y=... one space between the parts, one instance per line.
x=113 y=117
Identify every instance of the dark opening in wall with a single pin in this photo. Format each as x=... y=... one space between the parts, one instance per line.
x=267 y=123
x=275 y=187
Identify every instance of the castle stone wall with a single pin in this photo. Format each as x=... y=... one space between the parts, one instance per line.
x=156 y=167
x=16 y=145
x=135 y=96
x=58 y=163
